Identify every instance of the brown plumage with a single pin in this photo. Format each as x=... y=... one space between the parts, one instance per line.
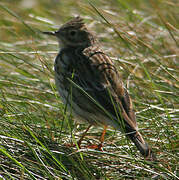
x=89 y=84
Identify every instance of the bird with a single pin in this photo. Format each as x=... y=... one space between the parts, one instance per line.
x=89 y=84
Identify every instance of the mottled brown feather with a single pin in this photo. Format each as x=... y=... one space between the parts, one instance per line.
x=89 y=83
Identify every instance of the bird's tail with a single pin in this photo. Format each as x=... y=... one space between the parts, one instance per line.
x=142 y=146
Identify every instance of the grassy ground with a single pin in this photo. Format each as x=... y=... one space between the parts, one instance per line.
x=142 y=38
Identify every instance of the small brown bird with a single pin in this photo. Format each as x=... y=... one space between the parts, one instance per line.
x=89 y=84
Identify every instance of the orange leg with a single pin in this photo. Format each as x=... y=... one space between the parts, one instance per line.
x=83 y=135
x=102 y=138
x=103 y=134
x=99 y=146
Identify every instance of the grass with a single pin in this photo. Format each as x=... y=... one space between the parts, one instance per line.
x=141 y=37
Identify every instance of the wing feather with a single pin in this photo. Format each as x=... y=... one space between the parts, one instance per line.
x=107 y=88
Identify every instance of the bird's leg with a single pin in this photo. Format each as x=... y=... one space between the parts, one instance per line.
x=83 y=135
x=102 y=138
x=99 y=146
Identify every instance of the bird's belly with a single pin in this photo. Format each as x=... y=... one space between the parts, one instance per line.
x=83 y=109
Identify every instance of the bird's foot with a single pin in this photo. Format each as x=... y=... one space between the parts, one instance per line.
x=96 y=147
x=69 y=145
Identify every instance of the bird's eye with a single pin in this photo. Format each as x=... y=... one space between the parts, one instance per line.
x=72 y=33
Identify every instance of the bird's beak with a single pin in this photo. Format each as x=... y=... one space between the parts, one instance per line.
x=50 y=33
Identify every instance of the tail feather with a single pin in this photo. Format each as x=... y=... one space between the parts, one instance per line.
x=142 y=146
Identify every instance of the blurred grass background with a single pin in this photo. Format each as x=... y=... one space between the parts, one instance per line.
x=141 y=37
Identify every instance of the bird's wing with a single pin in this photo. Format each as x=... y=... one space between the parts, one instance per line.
x=99 y=78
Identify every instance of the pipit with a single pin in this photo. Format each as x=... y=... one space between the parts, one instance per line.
x=89 y=84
